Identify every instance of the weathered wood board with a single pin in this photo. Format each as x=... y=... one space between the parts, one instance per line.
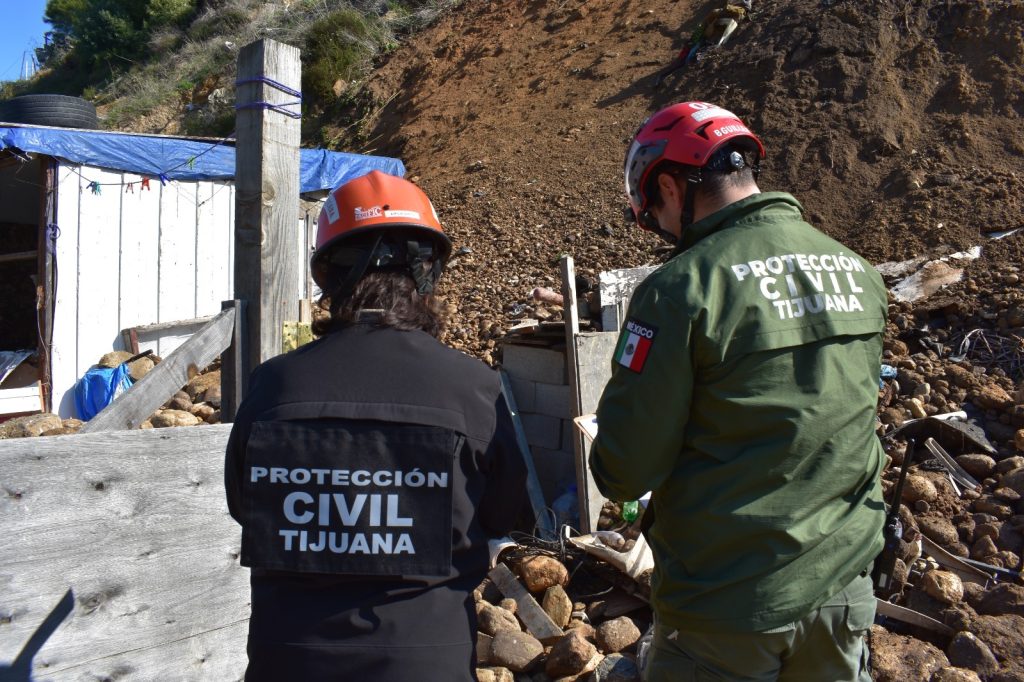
x=135 y=525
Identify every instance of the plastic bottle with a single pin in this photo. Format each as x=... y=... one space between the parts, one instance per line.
x=630 y=510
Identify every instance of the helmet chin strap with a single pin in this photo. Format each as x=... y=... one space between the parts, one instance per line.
x=693 y=181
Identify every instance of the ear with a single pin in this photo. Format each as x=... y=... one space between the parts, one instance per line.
x=668 y=188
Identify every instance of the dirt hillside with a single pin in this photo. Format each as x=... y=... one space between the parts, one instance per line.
x=896 y=124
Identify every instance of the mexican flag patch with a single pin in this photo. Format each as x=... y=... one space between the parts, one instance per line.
x=634 y=344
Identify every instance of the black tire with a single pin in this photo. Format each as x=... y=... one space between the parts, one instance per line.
x=50 y=110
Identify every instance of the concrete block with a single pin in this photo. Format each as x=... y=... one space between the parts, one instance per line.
x=533 y=363
x=542 y=431
x=525 y=394
x=554 y=401
x=569 y=433
x=556 y=471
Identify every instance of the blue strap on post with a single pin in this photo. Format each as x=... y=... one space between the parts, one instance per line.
x=280 y=108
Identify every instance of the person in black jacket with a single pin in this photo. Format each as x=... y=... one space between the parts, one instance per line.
x=369 y=468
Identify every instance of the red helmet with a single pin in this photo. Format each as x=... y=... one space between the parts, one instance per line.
x=374 y=221
x=688 y=133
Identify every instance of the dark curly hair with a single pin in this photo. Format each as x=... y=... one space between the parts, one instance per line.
x=389 y=290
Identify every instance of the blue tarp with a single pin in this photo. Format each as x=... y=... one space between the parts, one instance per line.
x=172 y=158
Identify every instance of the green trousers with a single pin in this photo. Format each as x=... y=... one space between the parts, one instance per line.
x=827 y=645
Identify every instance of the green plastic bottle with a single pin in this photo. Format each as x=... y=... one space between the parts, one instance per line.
x=630 y=510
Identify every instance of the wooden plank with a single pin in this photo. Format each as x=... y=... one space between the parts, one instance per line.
x=172 y=326
x=214 y=268
x=537 y=621
x=19 y=256
x=140 y=254
x=177 y=267
x=98 y=246
x=615 y=289
x=230 y=362
x=133 y=527
x=905 y=615
x=47 y=217
x=267 y=264
x=545 y=522
x=588 y=495
x=133 y=406
x=64 y=352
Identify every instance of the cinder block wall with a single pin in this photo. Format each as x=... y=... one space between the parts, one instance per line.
x=540 y=387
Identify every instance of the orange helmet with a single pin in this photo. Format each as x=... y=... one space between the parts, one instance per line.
x=377 y=221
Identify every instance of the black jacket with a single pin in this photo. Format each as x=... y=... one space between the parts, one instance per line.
x=326 y=448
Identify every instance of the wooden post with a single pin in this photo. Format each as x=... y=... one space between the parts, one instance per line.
x=267 y=258
x=231 y=363
x=45 y=292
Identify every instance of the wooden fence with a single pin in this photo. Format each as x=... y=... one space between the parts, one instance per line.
x=120 y=561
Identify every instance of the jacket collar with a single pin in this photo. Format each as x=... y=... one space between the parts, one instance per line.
x=780 y=204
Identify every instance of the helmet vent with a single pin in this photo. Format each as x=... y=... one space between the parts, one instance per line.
x=671 y=125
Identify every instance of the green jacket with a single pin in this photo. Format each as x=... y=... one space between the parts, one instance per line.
x=743 y=395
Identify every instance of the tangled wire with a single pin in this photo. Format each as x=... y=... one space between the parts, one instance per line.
x=990 y=348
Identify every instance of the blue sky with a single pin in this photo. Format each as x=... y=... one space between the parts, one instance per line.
x=23 y=29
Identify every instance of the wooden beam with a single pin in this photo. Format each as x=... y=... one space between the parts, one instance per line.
x=230 y=364
x=267 y=255
x=537 y=621
x=134 y=526
x=45 y=293
x=545 y=523
x=133 y=406
x=19 y=256
x=581 y=448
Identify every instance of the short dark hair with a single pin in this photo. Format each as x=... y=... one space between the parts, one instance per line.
x=713 y=183
x=390 y=290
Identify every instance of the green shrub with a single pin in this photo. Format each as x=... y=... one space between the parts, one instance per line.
x=337 y=47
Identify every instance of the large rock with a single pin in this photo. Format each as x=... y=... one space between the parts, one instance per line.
x=494 y=675
x=114 y=358
x=939 y=530
x=541 y=572
x=1003 y=599
x=202 y=383
x=31 y=425
x=616 y=668
x=967 y=651
x=179 y=401
x=557 y=605
x=955 y=675
x=169 y=418
x=1004 y=635
x=617 y=634
x=947 y=587
x=494 y=619
x=1014 y=479
x=517 y=651
x=977 y=465
x=992 y=397
x=569 y=656
x=212 y=395
x=919 y=488
x=897 y=658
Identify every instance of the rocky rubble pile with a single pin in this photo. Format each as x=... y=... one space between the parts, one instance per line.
x=961 y=350
x=599 y=643
x=197 y=403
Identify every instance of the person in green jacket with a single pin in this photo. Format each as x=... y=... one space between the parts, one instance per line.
x=743 y=396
